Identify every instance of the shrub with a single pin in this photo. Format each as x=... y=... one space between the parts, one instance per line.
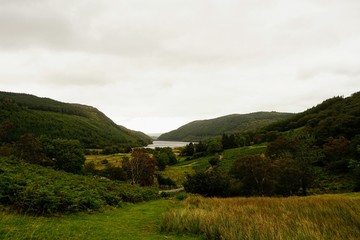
x=181 y=196
x=37 y=190
x=210 y=183
x=162 y=181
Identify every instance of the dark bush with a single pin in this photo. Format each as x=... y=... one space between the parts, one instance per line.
x=163 y=181
x=210 y=183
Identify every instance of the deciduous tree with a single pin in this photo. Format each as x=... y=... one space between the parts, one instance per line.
x=140 y=167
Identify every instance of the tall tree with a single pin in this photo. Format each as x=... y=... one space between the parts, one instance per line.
x=140 y=167
x=300 y=147
x=306 y=155
x=189 y=150
x=256 y=174
x=337 y=152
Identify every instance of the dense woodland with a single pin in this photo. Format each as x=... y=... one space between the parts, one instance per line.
x=318 y=144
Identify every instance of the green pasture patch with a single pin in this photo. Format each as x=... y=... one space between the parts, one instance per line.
x=133 y=221
x=178 y=171
x=101 y=160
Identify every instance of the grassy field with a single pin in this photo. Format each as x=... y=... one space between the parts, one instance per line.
x=133 y=221
x=100 y=163
x=316 y=217
x=178 y=172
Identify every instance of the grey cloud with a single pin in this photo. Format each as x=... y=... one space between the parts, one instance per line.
x=181 y=59
x=29 y=26
x=350 y=72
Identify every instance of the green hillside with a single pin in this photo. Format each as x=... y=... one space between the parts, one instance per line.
x=334 y=117
x=24 y=113
x=202 y=129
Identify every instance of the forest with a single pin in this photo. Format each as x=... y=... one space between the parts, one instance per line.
x=303 y=151
x=24 y=113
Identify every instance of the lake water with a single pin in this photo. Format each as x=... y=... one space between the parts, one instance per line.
x=162 y=144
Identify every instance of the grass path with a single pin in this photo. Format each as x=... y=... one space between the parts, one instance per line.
x=133 y=221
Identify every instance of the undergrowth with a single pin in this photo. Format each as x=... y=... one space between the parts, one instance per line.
x=32 y=189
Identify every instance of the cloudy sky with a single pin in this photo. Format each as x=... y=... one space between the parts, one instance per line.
x=156 y=65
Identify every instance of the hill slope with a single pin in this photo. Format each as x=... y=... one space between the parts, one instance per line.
x=202 y=129
x=337 y=116
x=24 y=113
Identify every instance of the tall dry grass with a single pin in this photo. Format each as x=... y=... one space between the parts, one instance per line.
x=321 y=217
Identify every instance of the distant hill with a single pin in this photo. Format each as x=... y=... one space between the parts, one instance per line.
x=203 y=129
x=25 y=113
x=334 y=117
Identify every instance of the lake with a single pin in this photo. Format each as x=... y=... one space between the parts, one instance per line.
x=171 y=144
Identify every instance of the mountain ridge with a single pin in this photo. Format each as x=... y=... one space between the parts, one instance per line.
x=202 y=129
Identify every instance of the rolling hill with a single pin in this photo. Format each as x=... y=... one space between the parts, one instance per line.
x=203 y=129
x=334 y=117
x=25 y=113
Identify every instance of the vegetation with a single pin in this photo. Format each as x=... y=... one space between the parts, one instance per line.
x=44 y=173
x=33 y=189
x=210 y=183
x=318 y=217
x=186 y=165
x=335 y=117
x=140 y=168
x=290 y=165
x=22 y=113
x=303 y=152
x=204 y=129
x=164 y=157
x=100 y=161
x=139 y=221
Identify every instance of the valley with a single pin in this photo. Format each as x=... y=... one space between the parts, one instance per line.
x=69 y=171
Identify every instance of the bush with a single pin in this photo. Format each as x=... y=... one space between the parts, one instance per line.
x=162 y=181
x=210 y=183
x=37 y=190
x=181 y=196
x=67 y=155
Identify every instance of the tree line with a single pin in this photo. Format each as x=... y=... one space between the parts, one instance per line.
x=291 y=165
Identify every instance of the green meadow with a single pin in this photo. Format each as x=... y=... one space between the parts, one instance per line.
x=315 y=217
x=132 y=221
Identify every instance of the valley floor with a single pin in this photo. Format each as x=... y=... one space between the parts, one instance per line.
x=133 y=221
x=331 y=216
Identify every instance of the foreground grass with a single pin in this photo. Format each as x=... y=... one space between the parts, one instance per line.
x=133 y=221
x=318 y=217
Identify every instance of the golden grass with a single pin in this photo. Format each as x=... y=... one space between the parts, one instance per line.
x=114 y=159
x=318 y=217
x=178 y=173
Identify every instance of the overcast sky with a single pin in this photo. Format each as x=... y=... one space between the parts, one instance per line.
x=156 y=65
